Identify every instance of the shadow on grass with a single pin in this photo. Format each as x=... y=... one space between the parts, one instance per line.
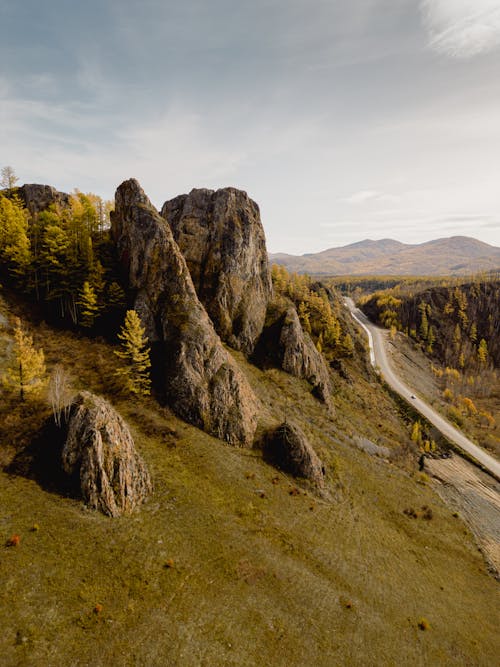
x=41 y=462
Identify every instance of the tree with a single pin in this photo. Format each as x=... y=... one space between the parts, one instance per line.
x=14 y=242
x=59 y=393
x=416 y=433
x=347 y=345
x=87 y=300
x=26 y=370
x=8 y=178
x=482 y=352
x=135 y=353
x=424 y=322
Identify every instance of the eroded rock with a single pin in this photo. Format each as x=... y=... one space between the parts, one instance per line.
x=221 y=237
x=285 y=344
x=287 y=448
x=99 y=453
x=202 y=383
x=38 y=198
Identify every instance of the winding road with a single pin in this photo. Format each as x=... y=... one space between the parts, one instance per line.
x=378 y=355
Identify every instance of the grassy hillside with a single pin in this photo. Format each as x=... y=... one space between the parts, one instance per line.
x=231 y=562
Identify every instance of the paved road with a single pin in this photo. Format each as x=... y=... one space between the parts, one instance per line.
x=377 y=338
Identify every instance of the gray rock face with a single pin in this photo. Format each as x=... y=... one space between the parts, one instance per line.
x=287 y=448
x=286 y=345
x=222 y=239
x=39 y=197
x=300 y=357
x=203 y=384
x=100 y=452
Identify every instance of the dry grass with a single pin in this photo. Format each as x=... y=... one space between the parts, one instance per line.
x=225 y=565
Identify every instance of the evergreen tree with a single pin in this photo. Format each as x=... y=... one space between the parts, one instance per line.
x=26 y=370
x=135 y=353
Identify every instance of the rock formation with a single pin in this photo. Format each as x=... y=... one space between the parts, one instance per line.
x=203 y=385
x=38 y=198
x=287 y=448
x=99 y=454
x=284 y=343
x=222 y=239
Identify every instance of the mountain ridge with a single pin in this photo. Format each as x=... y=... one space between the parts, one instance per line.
x=455 y=255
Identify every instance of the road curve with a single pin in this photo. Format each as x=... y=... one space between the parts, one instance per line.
x=377 y=338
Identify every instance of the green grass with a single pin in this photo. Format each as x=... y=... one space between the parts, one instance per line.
x=224 y=566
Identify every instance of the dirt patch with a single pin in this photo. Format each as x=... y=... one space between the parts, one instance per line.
x=475 y=496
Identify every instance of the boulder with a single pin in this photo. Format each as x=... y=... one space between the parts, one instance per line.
x=99 y=454
x=284 y=343
x=202 y=382
x=286 y=447
x=221 y=237
x=38 y=198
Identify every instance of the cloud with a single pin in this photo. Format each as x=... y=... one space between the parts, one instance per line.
x=462 y=28
x=366 y=196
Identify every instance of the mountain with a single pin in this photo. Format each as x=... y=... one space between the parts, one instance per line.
x=263 y=504
x=457 y=255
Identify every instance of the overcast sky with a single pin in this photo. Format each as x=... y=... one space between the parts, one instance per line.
x=343 y=119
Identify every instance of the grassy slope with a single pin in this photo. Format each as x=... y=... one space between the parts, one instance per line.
x=281 y=579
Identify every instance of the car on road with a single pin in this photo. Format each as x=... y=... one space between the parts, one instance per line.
x=413 y=397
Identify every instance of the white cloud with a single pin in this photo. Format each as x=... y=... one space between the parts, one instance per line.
x=462 y=28
x=368 y=196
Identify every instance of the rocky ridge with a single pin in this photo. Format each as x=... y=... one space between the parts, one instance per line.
x=221 y=237
x=202 y=383
x=285 y=343
x=38 y=198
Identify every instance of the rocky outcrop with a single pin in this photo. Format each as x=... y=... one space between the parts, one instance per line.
x=222 y=239
x=38 y=198
x=100 y=455
x=202 y=383
x=284 y=343
x=287 y=448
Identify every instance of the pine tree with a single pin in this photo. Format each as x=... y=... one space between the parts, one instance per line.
x=135 y=353
x=26 y=371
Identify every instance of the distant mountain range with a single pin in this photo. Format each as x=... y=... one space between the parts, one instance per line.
x=457 y=255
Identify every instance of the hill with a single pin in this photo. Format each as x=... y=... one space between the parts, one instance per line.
x=456 y=325
x=457 y=255
x=231 y=560
x=238 y=547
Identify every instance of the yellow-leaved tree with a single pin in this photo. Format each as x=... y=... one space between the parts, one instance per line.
x=135 y=353
x=26 y=371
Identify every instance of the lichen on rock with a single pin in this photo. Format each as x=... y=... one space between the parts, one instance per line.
x=99 y=454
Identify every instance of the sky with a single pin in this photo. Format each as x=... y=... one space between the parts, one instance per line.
x=342 y=119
